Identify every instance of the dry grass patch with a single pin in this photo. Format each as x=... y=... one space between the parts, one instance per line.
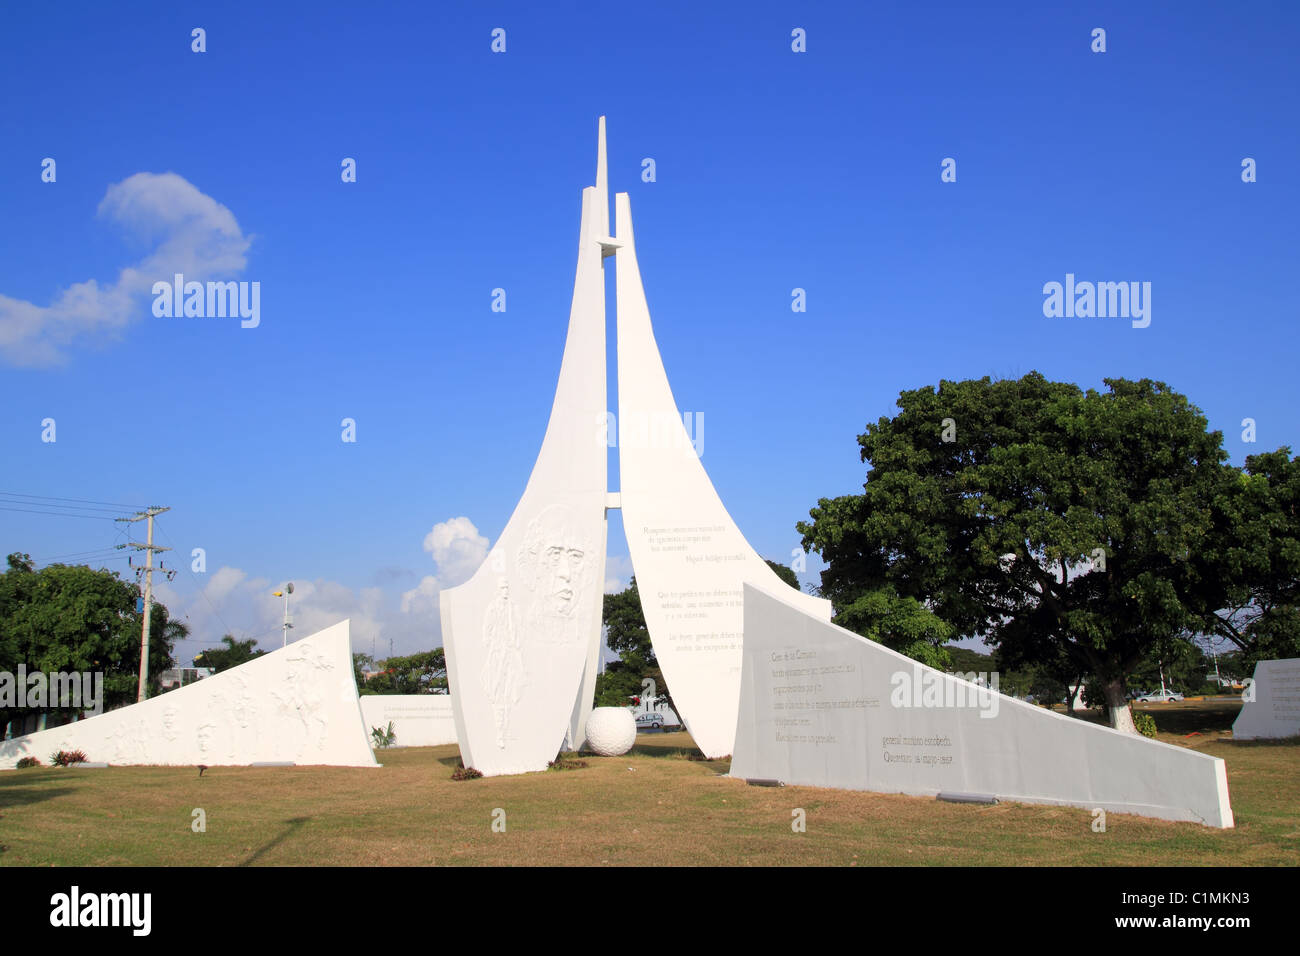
x=653 y=807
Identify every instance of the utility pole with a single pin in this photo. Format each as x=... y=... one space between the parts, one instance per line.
x=149 y=548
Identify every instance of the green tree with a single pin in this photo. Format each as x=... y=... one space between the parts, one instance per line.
x=72 y=618
x=232 y=654
x=1053 y=522
x=423 y=673
x=626 y=635
x=783 y=572
x=1255 y=549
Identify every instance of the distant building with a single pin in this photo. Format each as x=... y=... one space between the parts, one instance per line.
x=180 y=676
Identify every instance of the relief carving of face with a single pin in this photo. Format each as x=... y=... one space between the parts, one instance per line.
x=556 y=561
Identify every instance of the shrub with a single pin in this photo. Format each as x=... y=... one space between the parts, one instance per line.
x=384 y=738
x=25 y=762
x=566 y=762
x=1145 y=723
x=465 y=773
x=66 y=758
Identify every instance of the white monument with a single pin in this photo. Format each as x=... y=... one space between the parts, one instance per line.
x=1272 y=705
x=822 y=706
x=297 y=704
x=522 y=636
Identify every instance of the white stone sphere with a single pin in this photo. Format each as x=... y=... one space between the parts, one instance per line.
x=611 y=731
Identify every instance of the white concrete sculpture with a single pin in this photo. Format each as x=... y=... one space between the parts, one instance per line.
x=611 y=731
x=1274 y=710
x=419 y=720
x=691 y=560
x=297 y=704
x=507 y=656
x=522 y=634
x=822 y=706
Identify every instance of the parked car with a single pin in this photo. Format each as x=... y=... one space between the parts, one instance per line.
x=1159 y=697
x=650 y=720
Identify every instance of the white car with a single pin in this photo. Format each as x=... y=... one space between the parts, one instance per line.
x=650 y=720
x=1158 y=697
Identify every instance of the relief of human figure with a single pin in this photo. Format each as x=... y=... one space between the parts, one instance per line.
x=299 y=699
x=502 y=676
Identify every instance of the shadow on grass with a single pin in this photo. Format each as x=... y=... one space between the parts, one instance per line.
x=1187 y=719
x=1179 y=719
x=1267 y=742
x=295 y=824
x=20 y=792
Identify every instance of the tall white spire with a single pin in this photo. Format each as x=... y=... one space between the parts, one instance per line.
x=602 y=184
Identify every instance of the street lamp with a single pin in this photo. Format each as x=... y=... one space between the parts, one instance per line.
x=288 y=621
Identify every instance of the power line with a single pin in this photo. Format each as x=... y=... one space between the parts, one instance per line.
x=64 y=514
x=84 y=501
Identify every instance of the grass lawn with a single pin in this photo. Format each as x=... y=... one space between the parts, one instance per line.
x=653 y=807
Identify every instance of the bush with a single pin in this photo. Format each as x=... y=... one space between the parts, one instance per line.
x=25 y=762
x=66 y=758
x=465 y=773
x=1145 y=723
x=383 y=738
x=566 y=762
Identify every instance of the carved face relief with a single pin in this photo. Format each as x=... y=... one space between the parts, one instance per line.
x=170 y=713
x=556 y=562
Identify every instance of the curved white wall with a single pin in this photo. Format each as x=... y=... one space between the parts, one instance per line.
x=297 y=704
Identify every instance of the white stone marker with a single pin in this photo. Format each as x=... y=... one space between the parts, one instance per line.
x=822 y=706
x=1275 y=711
x=297 y=704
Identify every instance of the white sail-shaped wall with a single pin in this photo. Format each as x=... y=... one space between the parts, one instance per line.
x=297 y=704
x=522 y=634
x=690 y=559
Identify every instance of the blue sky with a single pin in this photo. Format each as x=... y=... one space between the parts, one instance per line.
x=775 y=170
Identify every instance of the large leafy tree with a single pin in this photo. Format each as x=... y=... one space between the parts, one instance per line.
x=73 y=618
x=1063 y=526
x=232 y=653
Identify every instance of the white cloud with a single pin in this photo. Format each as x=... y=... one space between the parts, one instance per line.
x=423 y=598
x=233 y=602
x=457 y=548
x=194 y=235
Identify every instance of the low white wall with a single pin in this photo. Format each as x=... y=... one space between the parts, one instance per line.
x=297 y=704
x=419 y=720
x=822 y=706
